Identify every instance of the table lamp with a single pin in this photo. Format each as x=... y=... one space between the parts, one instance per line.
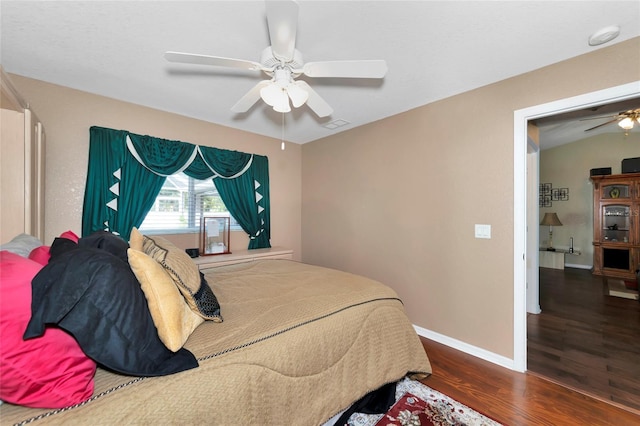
x=550 y=220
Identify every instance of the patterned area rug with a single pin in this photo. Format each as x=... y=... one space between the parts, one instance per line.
x=419 y=405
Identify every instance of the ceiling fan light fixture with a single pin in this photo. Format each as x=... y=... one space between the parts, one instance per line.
x=282 y=104
x=271 y=94
x=297 y=94
x=626 y=123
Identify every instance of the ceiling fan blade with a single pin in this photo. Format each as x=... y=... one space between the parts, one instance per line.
x=603 y=124
x=218 y=61
x=250 y=98
x=315 y=102
x=346 y=69
x=282 y=19
x=600 y=117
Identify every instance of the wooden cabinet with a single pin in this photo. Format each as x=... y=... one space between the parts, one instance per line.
x=22 y=154
x=616 y=223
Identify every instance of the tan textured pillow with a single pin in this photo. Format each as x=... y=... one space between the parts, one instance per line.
x=186 y=275
x=171 y=315
x=136 y=239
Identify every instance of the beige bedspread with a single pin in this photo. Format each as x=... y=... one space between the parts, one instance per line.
x=298 y=344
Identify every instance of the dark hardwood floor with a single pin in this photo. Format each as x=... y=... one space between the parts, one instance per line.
x=585 y=339
x=513 y=398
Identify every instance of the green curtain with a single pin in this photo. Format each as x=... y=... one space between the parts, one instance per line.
x=126 y=172
x=247 y=198
x=119 y=191
x=138 y=191
x=106 y=156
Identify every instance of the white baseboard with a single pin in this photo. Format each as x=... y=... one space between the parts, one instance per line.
x=577 y=266
x=466 y=348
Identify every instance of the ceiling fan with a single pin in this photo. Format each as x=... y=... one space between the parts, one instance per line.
x=283 y=63
x=624 y=119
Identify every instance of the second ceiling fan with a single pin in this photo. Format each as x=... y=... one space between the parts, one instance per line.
x=283 y=63
x=625 y=119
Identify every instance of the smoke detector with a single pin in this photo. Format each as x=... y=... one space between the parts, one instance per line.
x=604 y=35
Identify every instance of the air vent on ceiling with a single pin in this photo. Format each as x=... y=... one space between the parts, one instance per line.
x=335 y=124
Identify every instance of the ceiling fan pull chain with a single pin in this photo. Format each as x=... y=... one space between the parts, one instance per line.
x=282 y=138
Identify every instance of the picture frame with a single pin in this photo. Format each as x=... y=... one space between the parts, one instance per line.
x=560 y=194
x=214 y=235
x=544 y=201
x=563 y=194
x=547 y=194
x=545 y=189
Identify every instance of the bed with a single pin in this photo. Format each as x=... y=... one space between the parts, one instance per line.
x=293 y=344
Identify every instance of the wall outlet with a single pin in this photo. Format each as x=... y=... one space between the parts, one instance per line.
x=483 y=231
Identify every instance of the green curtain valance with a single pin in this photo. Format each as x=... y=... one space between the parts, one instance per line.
x=226 y=164
x=126 y=172
x=163 y=157
x=166 y=157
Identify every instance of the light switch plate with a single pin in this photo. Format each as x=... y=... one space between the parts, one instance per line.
x=483 y=231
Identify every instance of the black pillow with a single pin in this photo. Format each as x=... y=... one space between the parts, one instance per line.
x=60 y=246
x=107 y=241
x=95 y=296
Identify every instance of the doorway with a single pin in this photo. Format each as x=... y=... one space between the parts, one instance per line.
x=526 y=285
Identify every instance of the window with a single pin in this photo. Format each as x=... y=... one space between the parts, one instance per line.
x=181 y=203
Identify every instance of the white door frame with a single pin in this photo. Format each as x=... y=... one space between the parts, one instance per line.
x=520 y=254
x=533 y=228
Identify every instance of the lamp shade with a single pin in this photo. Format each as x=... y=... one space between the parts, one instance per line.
x=550 y=219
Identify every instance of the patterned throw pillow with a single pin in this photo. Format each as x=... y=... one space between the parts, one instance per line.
x=171 y=315
x=184 y=273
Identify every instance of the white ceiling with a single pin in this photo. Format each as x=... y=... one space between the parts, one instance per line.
x=434 y=49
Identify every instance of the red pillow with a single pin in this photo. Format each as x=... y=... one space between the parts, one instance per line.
x=70 y=235
x=42 y=255
x=46 y=372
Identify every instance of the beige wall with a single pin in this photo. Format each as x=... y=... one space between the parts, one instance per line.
x=68 y=114
x=568 y=166
x=397 y=200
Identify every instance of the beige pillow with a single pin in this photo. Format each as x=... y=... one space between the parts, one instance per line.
x=171 y=315
x=186 y=276
x=136 y=239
